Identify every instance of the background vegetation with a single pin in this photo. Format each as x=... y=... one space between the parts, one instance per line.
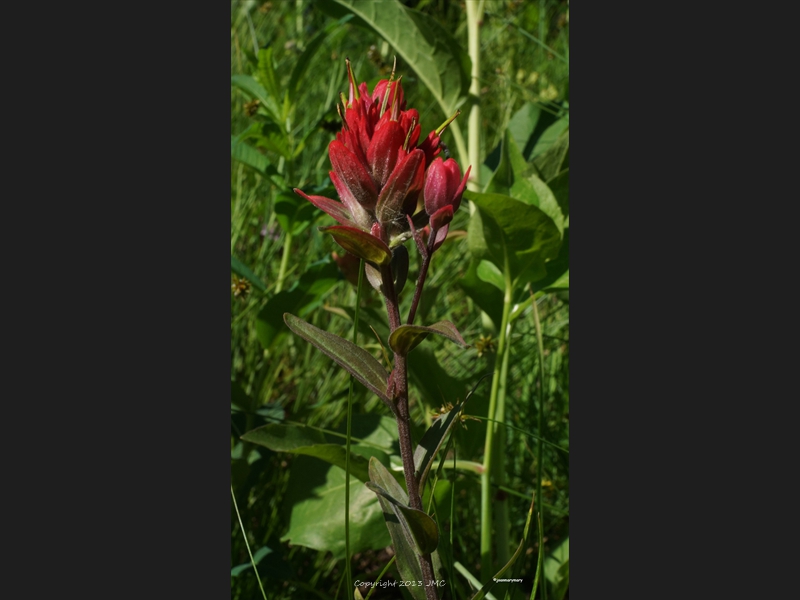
x=287 y=67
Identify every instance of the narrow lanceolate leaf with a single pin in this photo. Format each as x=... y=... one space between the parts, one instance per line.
x=419 y=526
x=407 y=559
x=304 y=440
x=407 y=337
x=357 y=361
x=431 y=442
x=360 y=243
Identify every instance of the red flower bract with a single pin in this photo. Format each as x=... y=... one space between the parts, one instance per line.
x=379 y=170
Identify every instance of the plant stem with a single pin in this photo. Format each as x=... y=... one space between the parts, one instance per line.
x=399 y=383
x=539 y=446
x=423 y=273
x=287 y=248
x=501 y=520
x=474 y=16
x=488 y=461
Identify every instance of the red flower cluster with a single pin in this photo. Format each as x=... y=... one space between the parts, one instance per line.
x=380 y=171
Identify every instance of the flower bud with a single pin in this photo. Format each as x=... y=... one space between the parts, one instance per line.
x=443 y=186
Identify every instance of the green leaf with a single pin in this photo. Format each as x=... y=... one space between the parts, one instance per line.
x=315 y=498
x=418 y=525
x=512 y=229
x=304 y=440
x=512 y=167
x=270 y=564
x=487 y=296
x=404 y=547
x=267 y=77
x=513 y=178
x=248 y=155
x=357 y=361
x=431 y=442
x=256 y=91
x=551 y=148
x=294 y=213
x=489 y=584
x=361 y=243
x=488 y=272
x=303 y=297
x=556 y=570
x=428 y=48
x=560 y=187
x=556 y=268
x=562 y=283
x=407 y=337
x=242 y=270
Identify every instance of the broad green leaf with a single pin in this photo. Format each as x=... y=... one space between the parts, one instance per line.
x=562 y=283
x=242 y=270
x=555 y=159
x=557 y=267
x=488 y=298
x=556 y=570
x=560 y=187
x=488 y=272
x=304 y=440
x=419 y=526
x=551 y=148
x=512 y=167
x=357 y=361
x=426 y=46
x=360 y=243
x=513 y=177
x=315 y=501
x=523 y=124
x=515 y=231
x=407 y=337
x=544 y=198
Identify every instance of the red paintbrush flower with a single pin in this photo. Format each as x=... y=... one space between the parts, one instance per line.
x=378 y=168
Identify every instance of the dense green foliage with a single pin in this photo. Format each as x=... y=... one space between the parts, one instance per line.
x=287 y=68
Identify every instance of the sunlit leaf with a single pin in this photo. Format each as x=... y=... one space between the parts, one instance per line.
x=314 y=504
x=512 y=230
x=489 y=273
x=361 y=244
x=427 y=47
